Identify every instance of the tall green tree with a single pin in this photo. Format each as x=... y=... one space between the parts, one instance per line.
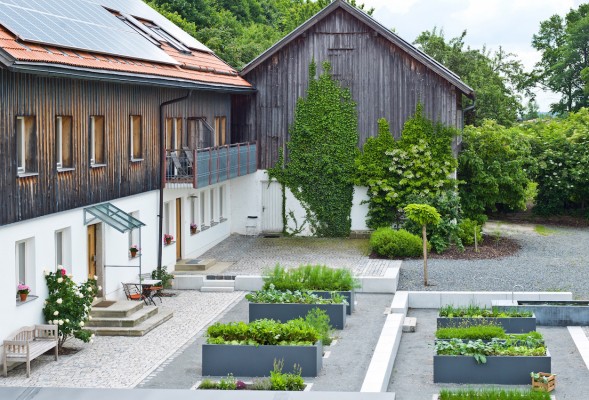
x=321 y=152
x=563 y=69
x=497 y=77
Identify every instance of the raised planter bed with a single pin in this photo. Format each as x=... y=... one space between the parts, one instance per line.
x=551 y=313
x=499 y=370
x=223 y=359
x=509 y=324
x=286 y=311
x=349 y=295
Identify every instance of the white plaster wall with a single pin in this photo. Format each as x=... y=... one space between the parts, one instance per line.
x=246 y=199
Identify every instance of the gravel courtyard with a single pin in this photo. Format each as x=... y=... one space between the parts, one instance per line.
x=556 y=262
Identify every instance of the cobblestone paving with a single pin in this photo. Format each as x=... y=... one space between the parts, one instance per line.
x=123 y=362
x=251 y=255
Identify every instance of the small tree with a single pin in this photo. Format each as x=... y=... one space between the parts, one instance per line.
x=423 y=215
x=68 y=305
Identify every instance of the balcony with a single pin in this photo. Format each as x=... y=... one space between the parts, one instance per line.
x=203 y=167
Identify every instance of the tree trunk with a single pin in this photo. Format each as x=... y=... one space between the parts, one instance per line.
x=424 y=232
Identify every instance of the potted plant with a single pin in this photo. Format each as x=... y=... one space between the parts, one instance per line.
x=193 y=228
x=543 y=381
x=23 y=291
x=134 y=249
x=168 y=239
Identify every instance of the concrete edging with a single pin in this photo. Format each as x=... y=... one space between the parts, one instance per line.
x=437 y=299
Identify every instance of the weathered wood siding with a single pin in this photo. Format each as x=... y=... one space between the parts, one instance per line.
x=51 y=191
x=384 y=80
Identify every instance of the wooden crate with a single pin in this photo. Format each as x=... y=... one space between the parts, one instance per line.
x=546 y=387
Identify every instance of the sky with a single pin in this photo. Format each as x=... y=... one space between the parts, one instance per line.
x=506 y=23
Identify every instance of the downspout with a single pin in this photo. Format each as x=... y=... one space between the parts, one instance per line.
x=163 y=175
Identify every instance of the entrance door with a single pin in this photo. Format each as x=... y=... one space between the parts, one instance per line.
x=94 y=256
x=271 y=207
x=178 y=229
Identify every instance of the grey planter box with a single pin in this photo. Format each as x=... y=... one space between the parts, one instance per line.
x=499 y=370
x=285 y=312
x=224 y=359
x=350 y=296
x=511 y=325
x=561 y=313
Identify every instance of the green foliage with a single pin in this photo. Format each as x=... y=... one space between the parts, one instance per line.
x=272 y=296
x=391 y=243
x=295 y=332
x=422 y=214
x=497 y=78
x=310 y=277
x=467 y=229
x=492 y=394
x=68 y=305
x=164 y=276
x=321 y=152
x=319 y=320
x=483 y=332
x=564 y=44
x=492 y=169
x=480 y=312
x=261 y=384
x=480 y=350
x=227 y=383
x=286 y=381
x=208 y=384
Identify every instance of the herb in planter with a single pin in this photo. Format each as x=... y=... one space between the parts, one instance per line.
x=296 y=332
x=529 y=346
x=273 y=296
x=319 y=320
x=310 y=277
x=473 y=311
x=492 y=394
x=483 y=332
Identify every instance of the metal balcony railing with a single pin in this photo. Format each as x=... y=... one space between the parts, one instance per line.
x=204 y=167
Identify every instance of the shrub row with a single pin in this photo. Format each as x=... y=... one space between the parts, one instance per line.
x=310 y=277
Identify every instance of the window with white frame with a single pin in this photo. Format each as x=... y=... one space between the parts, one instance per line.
x=203 y=209
x=194 y=220
x=222 y=193
x=166 y=223
x=212 y=206
x=97 y=140
x=136 y=137
x=63 y=142
x=63 y=249
x=26 y=145
x=24 y=262
x=134 y=233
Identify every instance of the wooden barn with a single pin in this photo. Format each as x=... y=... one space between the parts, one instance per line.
x=387 y=76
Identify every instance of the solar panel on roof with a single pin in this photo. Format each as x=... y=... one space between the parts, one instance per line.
x=79 y=25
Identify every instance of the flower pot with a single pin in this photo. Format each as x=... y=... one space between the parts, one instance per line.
x=23 y=296
x=193 y=230
x=168 y=242
x=133 y=253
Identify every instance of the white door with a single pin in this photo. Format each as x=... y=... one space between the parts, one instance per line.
x=271 y=207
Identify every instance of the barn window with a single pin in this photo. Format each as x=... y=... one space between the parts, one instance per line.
x=136 y=137
x=63 y=142
x=26 y=145
x=97 y=141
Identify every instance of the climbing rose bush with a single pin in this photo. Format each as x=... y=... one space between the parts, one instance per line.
x=68 y=305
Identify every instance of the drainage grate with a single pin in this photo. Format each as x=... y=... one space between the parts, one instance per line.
x=221 y=277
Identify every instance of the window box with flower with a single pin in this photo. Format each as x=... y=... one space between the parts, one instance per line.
x=23 y=291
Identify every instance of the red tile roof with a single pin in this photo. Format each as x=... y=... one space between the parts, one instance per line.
x=200 y=67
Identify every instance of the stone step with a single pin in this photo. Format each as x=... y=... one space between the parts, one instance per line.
x=132 y=320
x=146 y=326
x=190 y=265
x=217 y=289
x=409 y=324
x=218 y=283
x=121 y=309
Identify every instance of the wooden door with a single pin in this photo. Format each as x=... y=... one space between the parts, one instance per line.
x=178 y=229
x=92 y=251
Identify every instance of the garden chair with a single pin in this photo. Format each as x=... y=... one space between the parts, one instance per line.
x=132 y=292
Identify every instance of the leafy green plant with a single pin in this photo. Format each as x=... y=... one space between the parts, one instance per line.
x=391 y=243
x=261 y=384
x=319 y=320
x=228 y=383
x=320 y=165
x=295 y=332
x=68 y=305
x=423 y=215
x=483 y=332
x=480 y=350
x=475 y=311
x=310 y=277
x=208 y=384
x=492 y=394
x=286 y=381
x=273 y=296
x=163 y=275
x=467 y=229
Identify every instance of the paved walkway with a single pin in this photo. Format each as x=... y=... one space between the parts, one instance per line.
x=123 y=362
x=251 y=255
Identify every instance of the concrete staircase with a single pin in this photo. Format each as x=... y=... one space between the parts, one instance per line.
x=127 y=318
x=218 y=284
x=194 y=265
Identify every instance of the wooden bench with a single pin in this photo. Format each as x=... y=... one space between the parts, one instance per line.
x=28 y=343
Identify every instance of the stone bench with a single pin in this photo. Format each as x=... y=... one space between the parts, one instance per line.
x=28 y=343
